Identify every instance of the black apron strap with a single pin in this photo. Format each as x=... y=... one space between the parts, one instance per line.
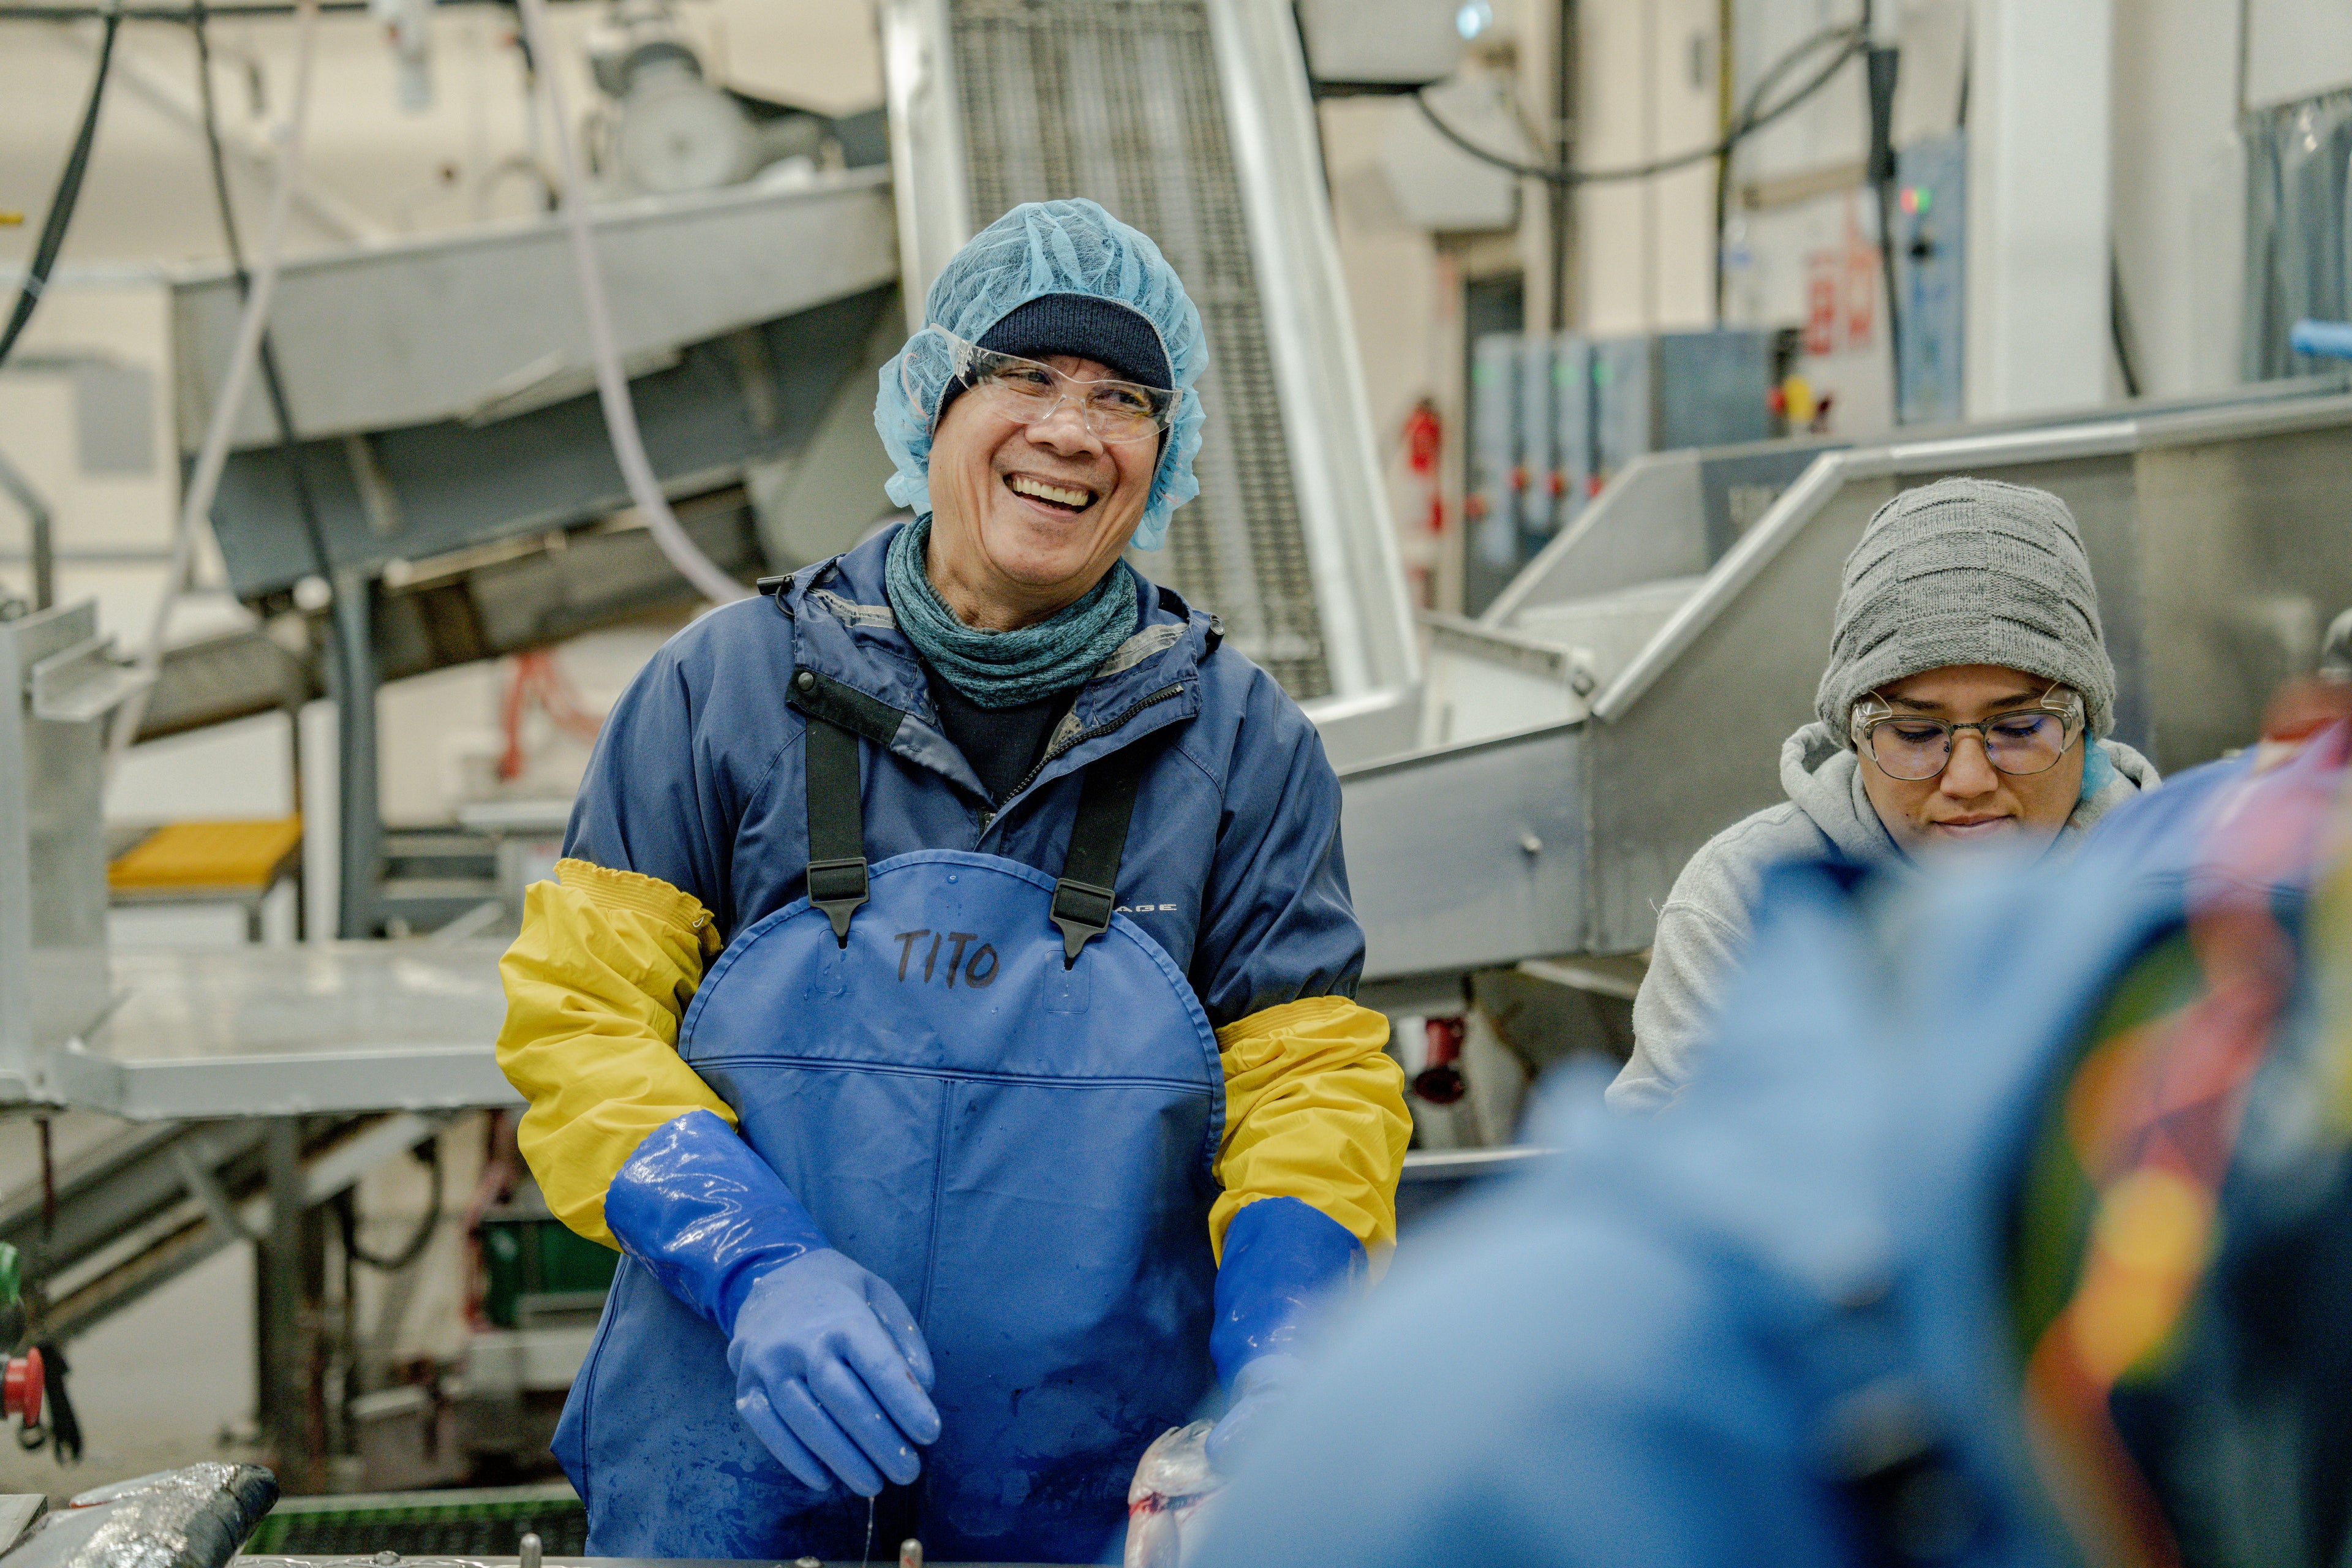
x=836 y=826
x=1088 y=894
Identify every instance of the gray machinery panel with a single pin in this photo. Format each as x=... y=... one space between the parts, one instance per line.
x=414 y=493
x=1495 y=389
x=1497 y=867
x=1190 y=119
x=381 y=336
x=1709 y=389
x=2217 y=534
x=1571 y=439
x=1621 y=403
x=260 y=1032
x=58 y=687
x=1538 y=468
x=1669 y=514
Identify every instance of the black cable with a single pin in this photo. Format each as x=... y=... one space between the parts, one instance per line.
x=1748 y=115
x=1853 y=44
x=1883 y=63
x=2119 y=327
x=67 y=195
x=290 y=445
x=347 y=1222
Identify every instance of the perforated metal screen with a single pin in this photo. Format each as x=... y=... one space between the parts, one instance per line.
x=1119 y=101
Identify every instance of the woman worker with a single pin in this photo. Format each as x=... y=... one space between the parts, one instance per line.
x=1966 y=707
x=1022 y=1084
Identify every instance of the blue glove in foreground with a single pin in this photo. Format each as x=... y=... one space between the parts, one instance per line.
x=830 y=1369
x=1281 y=1258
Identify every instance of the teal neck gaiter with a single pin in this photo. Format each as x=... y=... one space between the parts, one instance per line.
x=1005 y=669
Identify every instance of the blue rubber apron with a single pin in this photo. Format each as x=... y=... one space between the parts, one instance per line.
x=1001 y=1096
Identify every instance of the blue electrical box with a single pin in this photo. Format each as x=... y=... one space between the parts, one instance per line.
x=1931 y=278
x=1538 y=515
x=1664 y=391
x=1571 y=390
x=1493 y=453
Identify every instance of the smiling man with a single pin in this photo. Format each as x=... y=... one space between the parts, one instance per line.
x=1965 y=707
x=946 y=1006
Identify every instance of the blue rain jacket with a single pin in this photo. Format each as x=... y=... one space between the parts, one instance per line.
x=1774 y=1326
x=1232 y=862
x=942 y=1093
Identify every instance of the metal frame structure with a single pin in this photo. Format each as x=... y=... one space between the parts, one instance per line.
x=2215 y=533
x=1329 y=500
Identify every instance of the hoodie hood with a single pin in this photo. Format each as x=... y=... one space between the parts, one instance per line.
x=1823 y=778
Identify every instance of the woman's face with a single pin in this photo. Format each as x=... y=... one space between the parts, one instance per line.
x=1972 y=803
x=1027 y=516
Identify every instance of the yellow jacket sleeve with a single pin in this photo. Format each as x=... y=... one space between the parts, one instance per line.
x=596 y=985
x=1313 y=1110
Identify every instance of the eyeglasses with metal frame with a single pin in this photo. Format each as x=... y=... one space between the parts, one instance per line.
x=2021 y=742
x=1031 y=391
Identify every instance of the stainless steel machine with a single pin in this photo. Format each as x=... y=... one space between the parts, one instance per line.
x=1627 y=696
x=1191 y=120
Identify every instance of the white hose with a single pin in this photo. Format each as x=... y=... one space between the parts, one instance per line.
x=196 y=503
x=611 y=387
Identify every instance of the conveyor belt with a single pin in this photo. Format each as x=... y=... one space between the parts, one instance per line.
x=1120 y=100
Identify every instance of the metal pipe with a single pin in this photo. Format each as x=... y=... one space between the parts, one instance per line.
x=45 y=545
x=359 y=823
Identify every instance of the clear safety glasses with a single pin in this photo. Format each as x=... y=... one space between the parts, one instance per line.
x=1025 y=390
x=1911 y=746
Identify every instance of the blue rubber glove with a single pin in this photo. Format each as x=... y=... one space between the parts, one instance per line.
x=831 y=1372
x=1281 y=1258
x=830 y=1368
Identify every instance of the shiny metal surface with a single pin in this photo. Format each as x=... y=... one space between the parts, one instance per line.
x=414 y=332
x=1469 y=857
x=266 y=1032
x=2220 y=535
x=52 y=835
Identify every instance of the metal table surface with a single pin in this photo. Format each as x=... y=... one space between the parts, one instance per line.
x=257 y=1031
x=386 y=1561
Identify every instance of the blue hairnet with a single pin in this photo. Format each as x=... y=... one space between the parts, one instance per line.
x=1044 y=247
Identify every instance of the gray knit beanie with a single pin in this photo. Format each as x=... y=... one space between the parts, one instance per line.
x=1968 y=572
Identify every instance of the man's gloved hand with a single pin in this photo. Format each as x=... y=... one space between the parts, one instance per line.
x=1259 y=1390
x=831 y=1372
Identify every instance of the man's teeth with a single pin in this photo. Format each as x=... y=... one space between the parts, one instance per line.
x=1055 y=493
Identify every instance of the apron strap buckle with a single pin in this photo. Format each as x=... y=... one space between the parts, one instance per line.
x=838 y=887
x=1083 y=911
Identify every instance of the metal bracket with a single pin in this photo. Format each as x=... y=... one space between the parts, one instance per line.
x=83 y=683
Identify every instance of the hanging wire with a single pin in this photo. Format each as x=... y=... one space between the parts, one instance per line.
x=66 y=199
x=305 y=504
x=203 y=478
x=347 y=1223
x=1850 y=37
x=612 y=384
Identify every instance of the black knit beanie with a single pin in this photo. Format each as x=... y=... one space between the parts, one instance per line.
x=1088 y=325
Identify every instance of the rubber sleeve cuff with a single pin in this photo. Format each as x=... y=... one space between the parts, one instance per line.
x=697 y=1206
x=1282 y=1258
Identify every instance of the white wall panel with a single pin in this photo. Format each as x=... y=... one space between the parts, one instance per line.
x=2039 y=140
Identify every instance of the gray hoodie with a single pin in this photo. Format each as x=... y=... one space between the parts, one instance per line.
x=1703 y=928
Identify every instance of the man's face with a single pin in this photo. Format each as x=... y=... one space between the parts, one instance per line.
x=1972 y=803
x=1027 y=516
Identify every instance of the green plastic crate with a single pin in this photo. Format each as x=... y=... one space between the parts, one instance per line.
x=488 y=1521
x=527 y=1257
